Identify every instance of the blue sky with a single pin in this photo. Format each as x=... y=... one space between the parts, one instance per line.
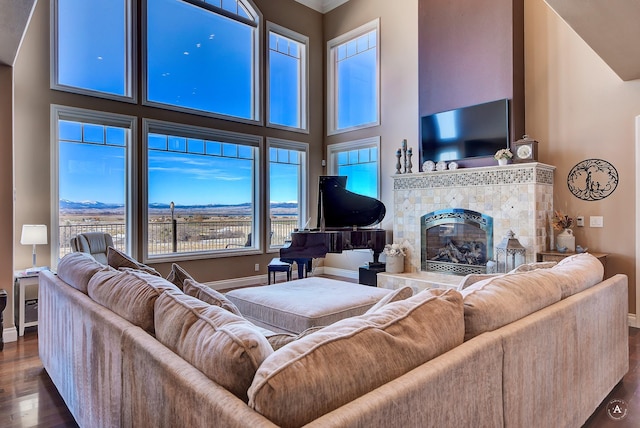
x=184 y=68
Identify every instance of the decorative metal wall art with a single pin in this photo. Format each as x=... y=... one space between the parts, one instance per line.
x=592 y=179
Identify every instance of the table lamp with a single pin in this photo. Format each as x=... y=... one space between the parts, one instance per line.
x=34 y=234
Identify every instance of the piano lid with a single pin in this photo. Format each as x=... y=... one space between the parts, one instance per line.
x=340 y=208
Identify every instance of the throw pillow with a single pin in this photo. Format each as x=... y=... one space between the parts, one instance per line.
x=533 y=266
x=225 y=347
x=343 y=361
x=76 y=269
x=278 y=340
x=117 y=259
x=396 y=295
x=178 y=275
x=472 y=278
x=130 y=294
x=209 y=295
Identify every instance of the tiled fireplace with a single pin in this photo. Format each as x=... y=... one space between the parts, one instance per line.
x=516 y=197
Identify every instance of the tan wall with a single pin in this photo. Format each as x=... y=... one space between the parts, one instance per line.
x=578 y=108
x=6 y=189
x=398 y=89
x=32 y=132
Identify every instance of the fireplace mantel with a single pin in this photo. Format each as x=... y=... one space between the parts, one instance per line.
x=518 y=197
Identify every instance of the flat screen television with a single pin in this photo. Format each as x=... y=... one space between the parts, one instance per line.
x=465 y=133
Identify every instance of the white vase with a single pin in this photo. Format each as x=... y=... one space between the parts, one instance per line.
x=395 y=264
x=565 y=239
x=503 y=161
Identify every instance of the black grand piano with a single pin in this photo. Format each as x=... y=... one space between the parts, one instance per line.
x=343 y=217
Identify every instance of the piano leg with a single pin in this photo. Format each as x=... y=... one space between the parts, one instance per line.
x=305 y=265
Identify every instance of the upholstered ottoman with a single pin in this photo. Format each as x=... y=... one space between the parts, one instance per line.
x=294 y=306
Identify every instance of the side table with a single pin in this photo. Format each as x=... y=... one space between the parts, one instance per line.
x=3 y=305
x=556 y=256
x=25 y=290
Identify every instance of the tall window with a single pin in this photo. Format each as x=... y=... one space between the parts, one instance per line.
x=92 y=154
x=287 y=68
x=203 y=56
x=353 y=82
x=202 y=190
x=97 y=35
x=287 y=188
x=358 y=160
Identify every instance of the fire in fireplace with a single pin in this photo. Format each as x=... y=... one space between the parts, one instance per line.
x=456 y=241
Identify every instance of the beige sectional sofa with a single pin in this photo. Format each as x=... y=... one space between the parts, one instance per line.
x=540 y=348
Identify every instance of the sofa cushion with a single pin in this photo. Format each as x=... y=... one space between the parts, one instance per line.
x=209 y=295
x=225 y=347
x=117 y=259
x=396 y=295
x=578 y=272
x=76 y=269
x=494 y=302
x=130 y=294
x=338 y=363
x=178 y=275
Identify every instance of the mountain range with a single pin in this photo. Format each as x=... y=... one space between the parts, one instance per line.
x=67 y=205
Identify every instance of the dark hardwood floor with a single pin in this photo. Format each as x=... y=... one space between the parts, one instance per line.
x=28 y=398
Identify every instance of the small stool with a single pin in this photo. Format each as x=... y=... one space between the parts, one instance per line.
x=275 y=265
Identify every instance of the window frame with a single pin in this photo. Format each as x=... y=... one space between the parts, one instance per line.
x=332 y=102
x=191 y=131
x=303 y=90
x=257 y=84
x=334 y=149
x=131 y=58
x=60 y=112
x=303 y=189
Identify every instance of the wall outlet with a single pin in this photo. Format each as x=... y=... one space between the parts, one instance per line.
x=596 y=221
x=580 y=221
x=257 y=267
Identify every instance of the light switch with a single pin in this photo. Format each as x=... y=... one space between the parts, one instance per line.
x=596 y=221
x=580 y=221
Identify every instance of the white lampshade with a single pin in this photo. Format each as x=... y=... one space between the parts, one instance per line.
x=34 y=234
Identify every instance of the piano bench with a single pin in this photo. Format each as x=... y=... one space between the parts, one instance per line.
x=275 y=265
x=294 y=306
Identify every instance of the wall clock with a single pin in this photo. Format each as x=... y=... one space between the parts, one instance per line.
x=592 y=179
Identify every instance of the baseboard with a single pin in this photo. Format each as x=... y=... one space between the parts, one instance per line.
x=10 y=334
x=633 y=321
x=346 y=273
x=238 y=282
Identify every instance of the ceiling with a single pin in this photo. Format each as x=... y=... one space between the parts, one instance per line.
x=322 y=6
x=13 y=23
x=610 y=27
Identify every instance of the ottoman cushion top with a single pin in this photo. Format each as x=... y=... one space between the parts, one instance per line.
x=295 y=306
